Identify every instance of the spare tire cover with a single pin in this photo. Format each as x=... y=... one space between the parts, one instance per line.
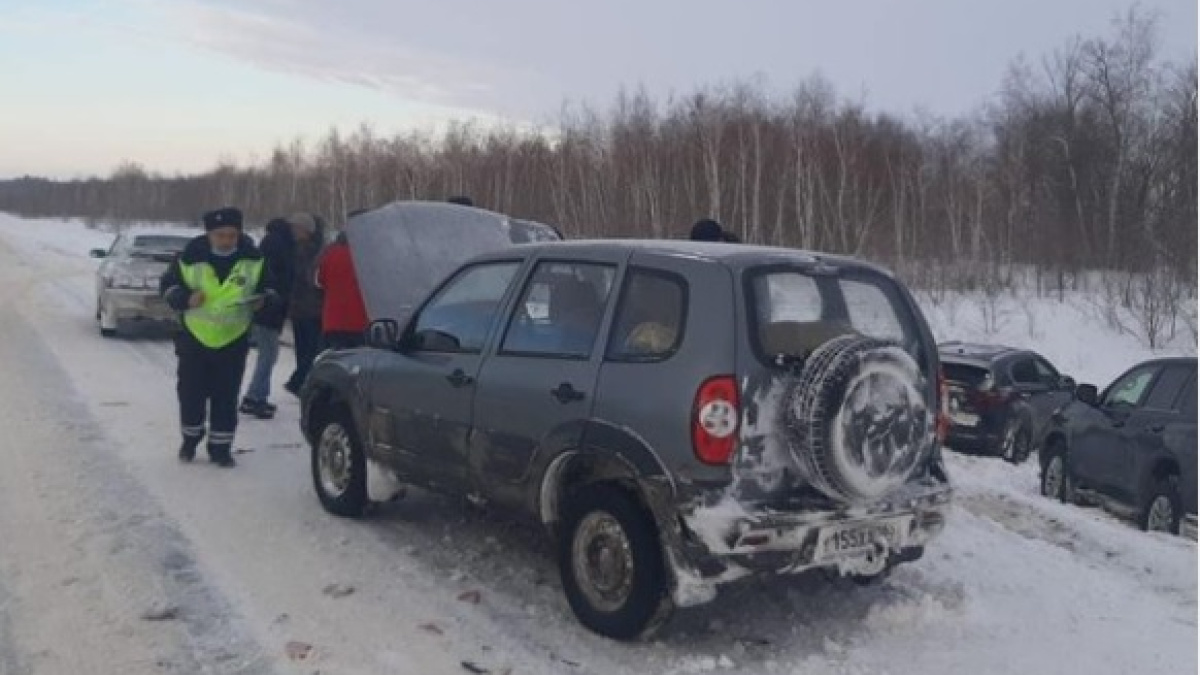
x=856 y=421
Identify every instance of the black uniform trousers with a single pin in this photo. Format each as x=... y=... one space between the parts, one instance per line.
x=210 y=381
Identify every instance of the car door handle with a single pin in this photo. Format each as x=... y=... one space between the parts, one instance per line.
x=460 y=379
x=565 y=393
x=1156 y=428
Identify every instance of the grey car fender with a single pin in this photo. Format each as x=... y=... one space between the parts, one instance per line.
x=617 y=451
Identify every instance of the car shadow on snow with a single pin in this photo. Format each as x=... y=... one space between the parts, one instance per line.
x=751 y=623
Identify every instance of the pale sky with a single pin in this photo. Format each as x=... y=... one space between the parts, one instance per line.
x=178 y=84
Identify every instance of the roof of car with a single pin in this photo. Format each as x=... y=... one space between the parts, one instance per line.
x=967 y=352
x=1164 y=360
x=735 y=255
x=164 y=232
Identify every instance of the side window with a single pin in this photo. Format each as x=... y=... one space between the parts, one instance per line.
x=458 y=318
x=1167 y=387
x=1046 y=372
x=1024 y=371
x=650 y=317
x=1187 y=399
x=560 y=311
x=1130 y=390
x=871 y=313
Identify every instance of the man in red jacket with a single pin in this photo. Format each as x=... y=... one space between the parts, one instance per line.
x=343 y=314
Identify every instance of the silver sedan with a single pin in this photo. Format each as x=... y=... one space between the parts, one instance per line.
x=127 y=279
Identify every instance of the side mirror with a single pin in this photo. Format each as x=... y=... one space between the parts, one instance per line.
x=1066 y=383
x=98 y=253
x=383 y=334
x=1087 y=393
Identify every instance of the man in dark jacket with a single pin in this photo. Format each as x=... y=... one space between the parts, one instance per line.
x=216 y=284
x=707 y=229
x=278 y=250
x=306 y=300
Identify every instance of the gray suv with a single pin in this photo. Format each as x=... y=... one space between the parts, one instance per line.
x=676 y=415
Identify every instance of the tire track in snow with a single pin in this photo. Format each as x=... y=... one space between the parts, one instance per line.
x=126 y=555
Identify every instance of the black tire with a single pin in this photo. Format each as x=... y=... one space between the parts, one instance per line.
x=1164 y=494
x=1055 y=476
x=336 y=426
x=1018 y=450
x=645 y=605
x=888 y=435
x=108 y=332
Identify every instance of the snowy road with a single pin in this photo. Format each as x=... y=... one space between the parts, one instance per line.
x=114 y=558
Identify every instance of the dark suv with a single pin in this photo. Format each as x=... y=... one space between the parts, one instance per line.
x=1001 y=398
x=1131 y=449
x=677 y=415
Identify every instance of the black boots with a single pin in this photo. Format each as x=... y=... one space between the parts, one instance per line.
x=259 y=409
x=221 y=455
x=187 y=451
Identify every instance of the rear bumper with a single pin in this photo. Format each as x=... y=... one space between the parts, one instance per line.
x=968 y=439
x=723 y=541
x=129 y=304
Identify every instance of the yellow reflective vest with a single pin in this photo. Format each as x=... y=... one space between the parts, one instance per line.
x=228 y=307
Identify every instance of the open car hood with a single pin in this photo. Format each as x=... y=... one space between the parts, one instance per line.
x=404 y=250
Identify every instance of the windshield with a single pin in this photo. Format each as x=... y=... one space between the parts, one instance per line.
x=159 y=243
x=795 y=312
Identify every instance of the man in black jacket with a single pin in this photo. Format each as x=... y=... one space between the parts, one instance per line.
x=217 y=283
x=278 y=248
x=305 y=299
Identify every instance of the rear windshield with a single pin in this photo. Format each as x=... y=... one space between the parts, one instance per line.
x=795 y=312
x=965 y=374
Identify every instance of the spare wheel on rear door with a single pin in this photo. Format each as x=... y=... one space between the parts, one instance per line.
x=856 y=420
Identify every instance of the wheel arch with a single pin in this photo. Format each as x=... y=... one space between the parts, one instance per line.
x=605 y=453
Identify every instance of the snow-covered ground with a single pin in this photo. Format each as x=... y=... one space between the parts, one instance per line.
x=102 y=531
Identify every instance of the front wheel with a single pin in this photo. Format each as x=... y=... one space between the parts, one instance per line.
x=108 y=323
x=611 y=563
x=339 y=467
x=1054 y=473
x=1163 y=510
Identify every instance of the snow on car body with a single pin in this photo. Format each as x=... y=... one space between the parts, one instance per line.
x=676 y=414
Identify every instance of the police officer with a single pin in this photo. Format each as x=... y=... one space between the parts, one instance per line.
x=217 y=283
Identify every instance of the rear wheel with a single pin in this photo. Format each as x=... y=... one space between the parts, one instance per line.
x=1015 y=446
x=1163 y=509
x=611 y=563
x=339 y=467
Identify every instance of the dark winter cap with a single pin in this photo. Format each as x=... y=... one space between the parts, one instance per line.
x=225 y=217
x=707 y=230
x=461 y=200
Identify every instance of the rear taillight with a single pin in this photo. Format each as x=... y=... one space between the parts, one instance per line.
x=715 y=418
x=943 y=415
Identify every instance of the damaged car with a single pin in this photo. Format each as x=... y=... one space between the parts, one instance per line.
x=676 y=415
x=127 y=278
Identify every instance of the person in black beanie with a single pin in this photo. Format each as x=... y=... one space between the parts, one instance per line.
x=216 y=284
x=707 y=229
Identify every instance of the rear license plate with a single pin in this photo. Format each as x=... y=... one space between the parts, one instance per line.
x=963 y=419
x=852 y=539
